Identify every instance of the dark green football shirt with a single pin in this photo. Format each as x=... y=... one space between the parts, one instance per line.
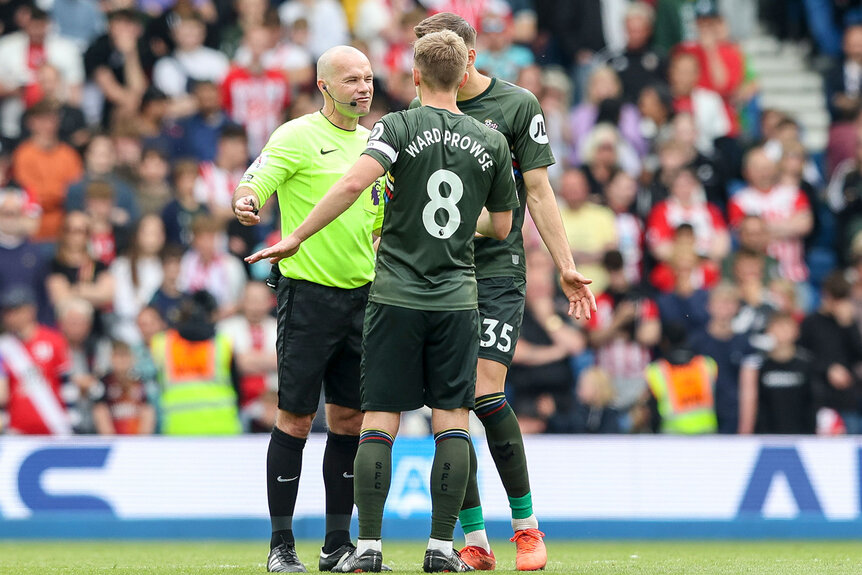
x=515 y=113
x=442 y=168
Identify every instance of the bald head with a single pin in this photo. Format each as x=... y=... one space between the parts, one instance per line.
x=345 y=79
x=337 y=58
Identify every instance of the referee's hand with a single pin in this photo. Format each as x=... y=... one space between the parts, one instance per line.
x=246 y=211
x=277 y=252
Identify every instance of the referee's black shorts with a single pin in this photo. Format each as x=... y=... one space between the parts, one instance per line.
x=319 y=343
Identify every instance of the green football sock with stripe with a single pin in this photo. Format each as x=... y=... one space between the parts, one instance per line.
x=507 y=449
x=449 y=474
x=372 y=474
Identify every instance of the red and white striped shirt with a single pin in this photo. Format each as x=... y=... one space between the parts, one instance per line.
x=215 y=186
x=778 y=204
x=621 y=357
x=669 y=214
x=257 y=102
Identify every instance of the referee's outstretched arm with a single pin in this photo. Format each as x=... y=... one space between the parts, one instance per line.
x=340 y=196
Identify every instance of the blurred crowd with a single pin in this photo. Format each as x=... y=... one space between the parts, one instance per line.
x=725 y=256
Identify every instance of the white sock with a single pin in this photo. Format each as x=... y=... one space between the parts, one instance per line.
x=527 y=523
x=478 y=538
x=440 y=545
x=364 y=545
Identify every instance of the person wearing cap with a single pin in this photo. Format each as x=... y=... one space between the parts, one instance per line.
x=36 y=361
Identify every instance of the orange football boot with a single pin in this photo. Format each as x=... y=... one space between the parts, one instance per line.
x=532 y=554
x=478 y=558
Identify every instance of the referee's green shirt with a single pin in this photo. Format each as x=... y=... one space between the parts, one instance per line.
x=301 y=161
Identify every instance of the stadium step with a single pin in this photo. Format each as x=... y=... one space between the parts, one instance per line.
x=788 y=83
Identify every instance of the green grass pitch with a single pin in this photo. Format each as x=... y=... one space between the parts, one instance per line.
x=582 y=558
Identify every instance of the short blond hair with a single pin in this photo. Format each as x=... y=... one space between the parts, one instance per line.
x=441 y=58
x=447 y=21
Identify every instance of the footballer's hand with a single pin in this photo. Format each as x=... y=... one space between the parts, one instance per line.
x=582 y=302
x=245 y=209
x=277 y=252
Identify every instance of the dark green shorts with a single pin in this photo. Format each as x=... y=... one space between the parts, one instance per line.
x=319 y=344
x=501 y=309
x=413 y=358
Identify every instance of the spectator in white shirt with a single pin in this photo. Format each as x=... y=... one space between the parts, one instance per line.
x=327 y=23
x=137 y=276
x=21 y=55
x=706 y=106
x=190 y=61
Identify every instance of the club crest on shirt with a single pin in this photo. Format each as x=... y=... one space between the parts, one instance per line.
x=491 y=124
x=375 y=193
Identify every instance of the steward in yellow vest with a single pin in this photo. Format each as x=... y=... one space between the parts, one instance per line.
x=193 y=365
x=682 y=384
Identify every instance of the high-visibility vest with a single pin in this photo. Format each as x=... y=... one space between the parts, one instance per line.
x=684 y=394
x=197 y=397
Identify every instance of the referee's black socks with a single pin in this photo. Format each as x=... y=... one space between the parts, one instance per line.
x=283 y=468
x=338 y=481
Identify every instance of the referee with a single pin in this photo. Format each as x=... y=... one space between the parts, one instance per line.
x=322 y=293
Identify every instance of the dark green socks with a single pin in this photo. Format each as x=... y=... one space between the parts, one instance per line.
x=507 y=449
x=372 y=475
x=449 y=474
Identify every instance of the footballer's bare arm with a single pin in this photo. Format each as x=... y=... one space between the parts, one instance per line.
x=543 y=208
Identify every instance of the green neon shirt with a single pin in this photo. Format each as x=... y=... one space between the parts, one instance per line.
x=301 y=161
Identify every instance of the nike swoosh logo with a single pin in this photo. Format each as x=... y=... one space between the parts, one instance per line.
x=346 y=476
x=280 y=480
x=324 y=152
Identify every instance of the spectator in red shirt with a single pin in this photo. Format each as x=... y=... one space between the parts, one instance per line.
x=123 y=407
x=254 y=96
x=36 y=361
x=684 y=264
x=687 y=205
x=722 y=64
x=785 y=209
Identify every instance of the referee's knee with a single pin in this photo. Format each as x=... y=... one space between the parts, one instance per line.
x=343 y=420
x=293 y=424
